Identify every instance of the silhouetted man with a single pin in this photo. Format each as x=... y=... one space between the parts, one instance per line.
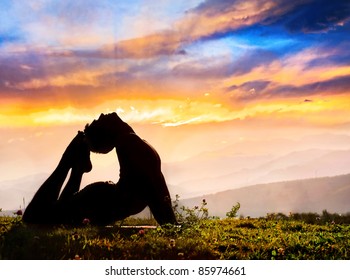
x=141 y=181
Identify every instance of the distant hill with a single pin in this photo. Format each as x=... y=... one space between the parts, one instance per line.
x=7 y=213
x=309 y=195
x=203 y=175
x=12 y=192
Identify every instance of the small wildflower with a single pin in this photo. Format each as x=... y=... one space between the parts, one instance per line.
x=19 y=213
x=181 y=256
x=280 y=251
x=141 y=232
x=86 y=221
x=172 y=243
x=75 y=236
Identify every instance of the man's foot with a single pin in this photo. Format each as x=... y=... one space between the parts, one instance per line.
x=77 y=154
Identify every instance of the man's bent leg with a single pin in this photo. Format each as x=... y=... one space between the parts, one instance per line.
x=100 y=203
x=43 y=203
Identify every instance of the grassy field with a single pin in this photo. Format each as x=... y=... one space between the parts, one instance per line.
x=301 y=237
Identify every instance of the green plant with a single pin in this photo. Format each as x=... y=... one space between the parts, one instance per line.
x=234 y=210
x=186 y=215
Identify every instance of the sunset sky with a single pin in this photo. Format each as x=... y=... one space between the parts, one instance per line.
x=171 y=69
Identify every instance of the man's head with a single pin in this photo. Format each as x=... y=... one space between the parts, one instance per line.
x=102 y=134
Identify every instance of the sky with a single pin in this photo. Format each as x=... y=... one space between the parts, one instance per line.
x=191 y=76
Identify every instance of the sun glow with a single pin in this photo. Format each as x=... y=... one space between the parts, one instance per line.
x=172 y=112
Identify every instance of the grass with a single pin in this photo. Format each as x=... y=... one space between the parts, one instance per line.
x=272 y=237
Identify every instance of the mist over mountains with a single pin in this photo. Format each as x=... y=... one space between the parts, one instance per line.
x=248 y=162
x=296 y=165
x=14 y=191
x=309 y=195
x=260 y=162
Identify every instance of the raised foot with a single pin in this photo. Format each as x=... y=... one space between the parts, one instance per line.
x=77 y=154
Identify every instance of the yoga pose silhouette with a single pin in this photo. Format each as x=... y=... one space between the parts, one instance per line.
x=141 y=181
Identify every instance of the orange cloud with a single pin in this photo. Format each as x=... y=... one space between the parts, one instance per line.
x=83 y=77
x=207 y=20
x=293 y=72
x=165 y=43
x=177 y=112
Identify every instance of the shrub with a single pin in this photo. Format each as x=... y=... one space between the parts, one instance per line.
x=186 y=215
x=234 y=210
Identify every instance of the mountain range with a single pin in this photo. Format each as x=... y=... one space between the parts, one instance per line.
x=308 y=195
x=235 y=166
x=250 y=170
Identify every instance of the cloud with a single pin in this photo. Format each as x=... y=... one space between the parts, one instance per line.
x=46 y=22
x=16 y=69
x=201 y=23
x=304 y=75
x=216 y=18
x=251 y=87
x=318 y=16
x=91 y=25
x=32 y=69
x=337 y=85
x=212 y=19
x=166 y=43
x=332 y=54
x=203 y=68
x=262 y=90
x=184 y=58
x=251 y=60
